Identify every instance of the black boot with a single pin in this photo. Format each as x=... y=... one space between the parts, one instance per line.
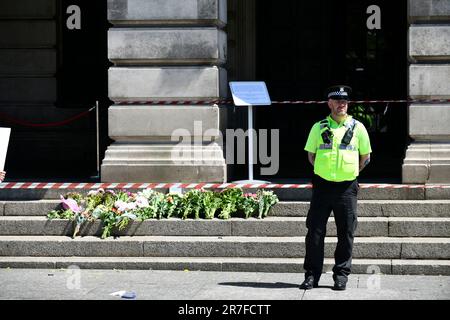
x=340 y=285
x=309 y=283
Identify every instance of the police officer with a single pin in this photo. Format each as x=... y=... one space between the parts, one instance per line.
x=339 y=148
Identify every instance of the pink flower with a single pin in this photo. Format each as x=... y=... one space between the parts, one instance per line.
x=70 y=204
x=124 y=206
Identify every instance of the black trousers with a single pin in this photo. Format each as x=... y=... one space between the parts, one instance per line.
x=341 y=198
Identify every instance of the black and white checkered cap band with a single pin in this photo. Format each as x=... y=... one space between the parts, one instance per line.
x=338 y=94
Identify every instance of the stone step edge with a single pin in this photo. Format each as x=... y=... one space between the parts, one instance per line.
x=251 y=219
x=371 y=208
x=243 y=239
x=282 y=202
x=270 y=226
x=228 y=246
x=228 y=264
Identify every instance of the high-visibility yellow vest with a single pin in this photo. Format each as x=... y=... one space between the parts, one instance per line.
x=337 y=161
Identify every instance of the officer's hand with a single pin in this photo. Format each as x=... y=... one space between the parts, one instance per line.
x=2 y=175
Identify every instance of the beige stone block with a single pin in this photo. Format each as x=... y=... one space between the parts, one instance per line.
x=158 y=123
x=167 y=12
x=167 y=45
x=166 y=83
x=428 y=81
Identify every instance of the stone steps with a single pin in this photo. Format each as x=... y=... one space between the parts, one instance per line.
x=222 y=246
x=408 y=236
x=230 y=264
x=366 y=208
x=375 y=208
x=268 y=227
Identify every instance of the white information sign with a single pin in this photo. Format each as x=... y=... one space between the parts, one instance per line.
x=176 y=189
x=250 y=93
x=4 y=140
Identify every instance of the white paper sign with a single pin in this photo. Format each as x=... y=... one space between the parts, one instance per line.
x=250 y=93
x=176 y=189
x=4 y=140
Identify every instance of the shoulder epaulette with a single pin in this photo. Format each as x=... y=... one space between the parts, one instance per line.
x=324 y=124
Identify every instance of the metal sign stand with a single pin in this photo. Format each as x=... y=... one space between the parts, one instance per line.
x=97 y=132
x=97 y=112
x=250 y=94
x=250 y=152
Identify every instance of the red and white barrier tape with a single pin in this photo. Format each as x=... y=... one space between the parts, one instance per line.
x=218 y=101
x=45 y=185
x=48 y=124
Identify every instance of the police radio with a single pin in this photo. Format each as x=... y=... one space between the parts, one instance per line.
x=327 y=135
x=349 y=133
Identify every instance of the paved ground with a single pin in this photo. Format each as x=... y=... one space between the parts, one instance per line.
x=44 y=284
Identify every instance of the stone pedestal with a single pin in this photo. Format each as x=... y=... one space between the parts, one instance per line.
x=166 y=51
x=428 y=157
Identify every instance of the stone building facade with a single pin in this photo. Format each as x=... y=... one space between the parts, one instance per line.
x=165 y=50
x=200 y=23
x=176 y=50
x=428 y=157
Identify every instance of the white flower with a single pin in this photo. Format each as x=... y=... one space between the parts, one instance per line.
x=141 y=202
x=129 y=215
x=130 y=206
x=147 y=193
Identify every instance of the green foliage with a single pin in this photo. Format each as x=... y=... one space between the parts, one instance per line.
x=211 y=202
x=61 y=214
x=109 y=221
x=157 y=204
x=363 y=114
x=266 y=200
x=172 y=204
x=123 y=223
x=230 y=201
x=145 y=213
x=78 y=197
x=117 y=210
x=191 y=204
x=93 y=201
x=248 y=204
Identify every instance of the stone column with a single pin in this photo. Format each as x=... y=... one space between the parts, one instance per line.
x=428 y=157
x=167 y=50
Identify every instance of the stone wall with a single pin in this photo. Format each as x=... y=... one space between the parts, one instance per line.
x=165 y=51
x=428 y=156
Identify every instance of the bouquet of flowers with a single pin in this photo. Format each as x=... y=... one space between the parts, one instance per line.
x=118 y=209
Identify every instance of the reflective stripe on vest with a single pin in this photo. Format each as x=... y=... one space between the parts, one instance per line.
x=347 y=147
x=324 y=124
x=326 y=146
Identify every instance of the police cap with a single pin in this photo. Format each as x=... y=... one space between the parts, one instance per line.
x=340 y=92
